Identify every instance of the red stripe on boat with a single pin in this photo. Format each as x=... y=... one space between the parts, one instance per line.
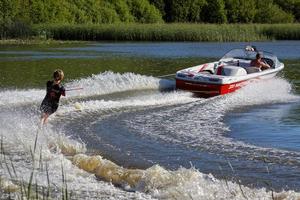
x=209 y=90
x=203 y=67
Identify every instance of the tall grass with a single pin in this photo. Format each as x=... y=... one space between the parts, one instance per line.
x=28 y=189
x=170 y=32
x=281 y=31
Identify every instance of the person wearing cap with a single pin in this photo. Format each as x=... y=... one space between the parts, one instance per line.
x=259 y=63
x=54 y=91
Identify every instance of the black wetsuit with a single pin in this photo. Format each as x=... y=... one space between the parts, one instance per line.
x=51 y=100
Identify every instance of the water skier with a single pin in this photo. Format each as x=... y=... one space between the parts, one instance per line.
x=54 y=91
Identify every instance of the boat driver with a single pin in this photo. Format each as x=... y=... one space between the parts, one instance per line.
x=259 y=63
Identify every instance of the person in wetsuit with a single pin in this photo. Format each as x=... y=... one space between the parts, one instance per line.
x=54 y=91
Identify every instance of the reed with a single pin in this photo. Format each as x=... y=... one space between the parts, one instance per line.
x=30 y=189
x=281 y=31
x=170 y=32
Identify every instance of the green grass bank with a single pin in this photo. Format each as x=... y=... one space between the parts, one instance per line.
x=163 y=32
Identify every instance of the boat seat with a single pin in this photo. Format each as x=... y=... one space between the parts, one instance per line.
x=231 y=71
x=251 y=70
x=244 y=64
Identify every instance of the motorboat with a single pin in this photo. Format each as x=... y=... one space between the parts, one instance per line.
x=228 y=74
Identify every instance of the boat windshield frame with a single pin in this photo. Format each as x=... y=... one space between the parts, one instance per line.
x=247 y=54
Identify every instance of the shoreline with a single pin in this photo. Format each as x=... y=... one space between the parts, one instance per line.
x=34 y=41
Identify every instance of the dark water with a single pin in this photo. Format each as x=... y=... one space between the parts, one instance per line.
x=284 y=49
x=252 y=135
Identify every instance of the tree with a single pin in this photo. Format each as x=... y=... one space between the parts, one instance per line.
x=184 y=10
x=214 y=12
x=247 y=11
x=144 y=12
x=178 y=10
x=233 y=10
x=195 y=10
x=271 y=13
x=8 y=12
x=105 y=14
x=160 y=5
x=122 y=10
x=240 y=11
x=297 y=10
x=290 y=6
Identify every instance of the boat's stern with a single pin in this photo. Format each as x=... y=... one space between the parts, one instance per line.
x=200 y=84
x=209 y=85
x=202 y=89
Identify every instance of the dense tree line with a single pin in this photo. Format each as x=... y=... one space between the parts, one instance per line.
x=229 y=11
x=79 y=11
x=149 y=11
x=20 y=12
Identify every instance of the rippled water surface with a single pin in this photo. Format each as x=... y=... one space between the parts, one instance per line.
x=128 y=126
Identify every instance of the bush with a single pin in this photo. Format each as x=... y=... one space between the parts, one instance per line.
x=144 y=12
x=184 y=10
x=290 y=6
x=272 y=13
x=123 y=11
x=214 y=12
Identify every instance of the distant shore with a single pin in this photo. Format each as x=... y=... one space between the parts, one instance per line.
x=38 y=41
x=44 y=33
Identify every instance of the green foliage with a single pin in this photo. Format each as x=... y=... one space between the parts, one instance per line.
x=79 y=11
x=172 y=32
x=153 y=32
x=8 y=12
x=297 y=11
x=104 y=14
x=123 y=11
x=240 y=11
x=178 y=10
x=195 y=10
x=271 y=13
x=214 y=12
x=184 y=10
x=92 y=12
x=233 y=10
x=281 y=31
x=37 y=12
x=247 y=11
x=18 y=16
x=144 y=12
x=160 y=5
x=290 y=6
x=56 y=11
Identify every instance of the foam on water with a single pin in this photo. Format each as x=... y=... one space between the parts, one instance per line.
x=157 y=99
x=7 y=186
x=19 y=128
x=109 y=82
x=12 y=97
x=100 y=84
x=200 y=124
x=180 y=184
x=18 y=132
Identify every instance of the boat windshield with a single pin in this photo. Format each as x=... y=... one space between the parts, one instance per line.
x=247 y=54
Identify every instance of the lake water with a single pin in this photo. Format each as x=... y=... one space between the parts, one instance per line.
x=170 y=144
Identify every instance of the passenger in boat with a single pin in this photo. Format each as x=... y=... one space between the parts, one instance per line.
x=259 y=63
x=54 y=91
